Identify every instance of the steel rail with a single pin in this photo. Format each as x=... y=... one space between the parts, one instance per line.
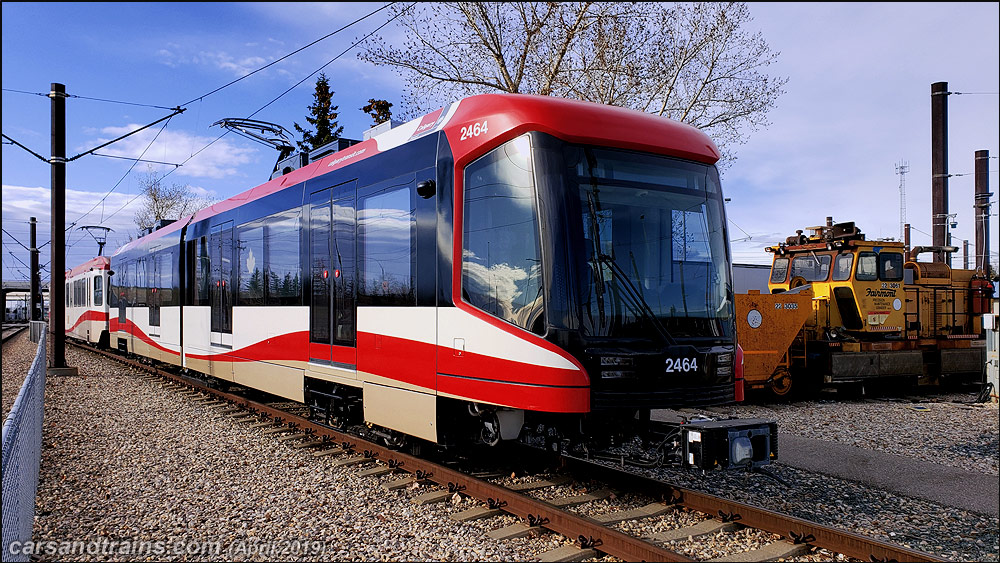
x=792 y=528
x=592 y=533
x=11 y=332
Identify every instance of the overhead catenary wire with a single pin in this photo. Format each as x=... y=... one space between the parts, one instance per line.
x=46 y=95
x=120 y=180
x=258 y=110
x=131 y=200
x=276 y=61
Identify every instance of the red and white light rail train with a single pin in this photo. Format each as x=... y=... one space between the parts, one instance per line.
x=508 y=267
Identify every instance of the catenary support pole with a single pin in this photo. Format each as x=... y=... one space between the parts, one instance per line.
x=57 y=264
x=35 y=312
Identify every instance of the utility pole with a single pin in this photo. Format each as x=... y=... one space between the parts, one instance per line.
x=35 y=312
x=57 y=279
x=939 y=169
x=982 y=209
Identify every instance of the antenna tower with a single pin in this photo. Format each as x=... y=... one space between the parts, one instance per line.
x=902 y=168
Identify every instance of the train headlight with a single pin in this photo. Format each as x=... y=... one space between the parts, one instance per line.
x=740 y=451
x=729 y=444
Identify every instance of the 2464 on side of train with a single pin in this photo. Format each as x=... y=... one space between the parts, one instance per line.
x=508 y=268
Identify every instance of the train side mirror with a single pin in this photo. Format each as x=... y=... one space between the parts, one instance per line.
x=426 y=189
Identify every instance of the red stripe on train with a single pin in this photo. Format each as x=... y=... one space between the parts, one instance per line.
x=89 y=315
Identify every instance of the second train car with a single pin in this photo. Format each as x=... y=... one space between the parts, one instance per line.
x=509 y=265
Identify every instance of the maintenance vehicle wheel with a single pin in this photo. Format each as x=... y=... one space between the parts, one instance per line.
x=780 y=383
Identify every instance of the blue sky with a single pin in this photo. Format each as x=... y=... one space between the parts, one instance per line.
x=856 y=104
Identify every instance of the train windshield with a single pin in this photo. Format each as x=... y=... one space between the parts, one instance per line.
x=653 y=253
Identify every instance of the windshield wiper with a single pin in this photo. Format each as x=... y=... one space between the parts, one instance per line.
x=634 y=293
x=595 y=237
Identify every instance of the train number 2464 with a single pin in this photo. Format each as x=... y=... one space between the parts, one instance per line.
x=474 y=130
x=682 y=365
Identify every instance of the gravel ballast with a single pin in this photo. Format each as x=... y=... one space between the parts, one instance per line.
x=18 y=353
x=125 y=461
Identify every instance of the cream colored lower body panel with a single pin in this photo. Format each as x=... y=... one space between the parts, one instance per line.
x=203 y=366
x=407 y=411
x=273 y=378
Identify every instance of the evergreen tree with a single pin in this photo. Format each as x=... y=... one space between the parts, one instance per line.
x=322 y=116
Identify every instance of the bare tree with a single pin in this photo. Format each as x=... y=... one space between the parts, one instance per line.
x=695 y=63
x=160 y=201
x=379 y=110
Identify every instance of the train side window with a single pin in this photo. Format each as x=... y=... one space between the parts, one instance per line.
x=779 y=270
x=268 y=261
x=250 y=265
x=386 y=222
x=153 y=277
x=501 y=254
x=125 y=285
x=867 y=267
x=842 y=267
x=167 y=267
x=98 y=291
x=141 y=285
x=112 y=289
x=202 y=273
x=220 y=287
x=281 y=249
x=890 y=266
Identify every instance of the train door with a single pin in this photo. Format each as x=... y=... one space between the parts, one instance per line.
x=396 y=319
x=221 y=288
x=320 y=231
x=121 y=337
x=332 y=275
x=152 y=277
x=133 y=303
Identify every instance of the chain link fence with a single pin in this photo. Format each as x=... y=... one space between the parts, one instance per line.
x=22 y=451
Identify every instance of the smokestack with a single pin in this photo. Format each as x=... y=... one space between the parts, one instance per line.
x=982 y=210
x=939 y=168
x=906 y=240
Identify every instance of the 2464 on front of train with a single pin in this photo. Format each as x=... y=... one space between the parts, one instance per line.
x=641 y=294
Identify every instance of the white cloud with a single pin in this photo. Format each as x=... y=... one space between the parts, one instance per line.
x=20 y=203
x=236 y=66
x=202 y=157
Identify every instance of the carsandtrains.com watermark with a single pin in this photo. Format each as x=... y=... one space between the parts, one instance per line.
x=271 y=549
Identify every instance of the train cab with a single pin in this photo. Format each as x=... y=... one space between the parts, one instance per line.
x=859 y=282
x=87 y=301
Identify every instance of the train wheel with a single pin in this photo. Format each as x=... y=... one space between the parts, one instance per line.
x=781 y=383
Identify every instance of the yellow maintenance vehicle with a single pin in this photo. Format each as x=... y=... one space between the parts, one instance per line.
x=845 y=310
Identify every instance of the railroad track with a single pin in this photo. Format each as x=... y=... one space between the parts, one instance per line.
x=12 y=331
x=595 y=535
